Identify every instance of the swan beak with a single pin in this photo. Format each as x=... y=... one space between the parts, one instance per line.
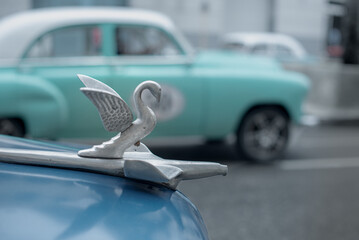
x=158 y=95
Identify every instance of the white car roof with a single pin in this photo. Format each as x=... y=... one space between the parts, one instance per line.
x=251 y=39
x=19 y=30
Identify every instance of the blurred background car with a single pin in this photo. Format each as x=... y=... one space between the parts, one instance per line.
x=279 y=46
x=209 y=94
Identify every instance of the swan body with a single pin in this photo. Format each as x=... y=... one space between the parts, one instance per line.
x=116 y=116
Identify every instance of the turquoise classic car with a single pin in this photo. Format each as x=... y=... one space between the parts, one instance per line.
x=211 y=95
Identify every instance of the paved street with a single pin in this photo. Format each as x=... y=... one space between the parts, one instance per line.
x=313 y=193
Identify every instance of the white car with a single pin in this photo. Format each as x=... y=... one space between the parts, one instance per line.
x=280 y=46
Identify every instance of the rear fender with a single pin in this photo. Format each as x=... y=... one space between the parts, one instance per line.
x=37 y=102
x=230 y=99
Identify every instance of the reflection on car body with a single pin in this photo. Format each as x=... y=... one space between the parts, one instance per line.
x=219 y=93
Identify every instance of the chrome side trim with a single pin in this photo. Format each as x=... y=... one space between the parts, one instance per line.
x=63 y=61
x=150 y=60
x=100 y=60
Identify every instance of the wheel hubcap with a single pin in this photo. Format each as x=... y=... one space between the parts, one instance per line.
x=266 y=134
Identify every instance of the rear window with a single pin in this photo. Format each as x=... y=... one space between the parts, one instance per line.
x=68 y=42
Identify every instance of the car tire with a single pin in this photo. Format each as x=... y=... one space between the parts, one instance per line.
x=12 y=127
x=263 y=134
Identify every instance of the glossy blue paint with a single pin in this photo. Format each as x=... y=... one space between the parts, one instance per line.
x=23 y=143
x=51 y=203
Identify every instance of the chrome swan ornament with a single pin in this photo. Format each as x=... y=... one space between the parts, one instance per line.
x=117 y=117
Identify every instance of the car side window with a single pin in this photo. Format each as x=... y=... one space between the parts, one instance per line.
x=283 y=51
x=68 y=42
x=261 y=49
x=136 y=40
x=237 y=46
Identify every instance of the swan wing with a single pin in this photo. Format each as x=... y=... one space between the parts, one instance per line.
x=115 y=114
x=95 y=84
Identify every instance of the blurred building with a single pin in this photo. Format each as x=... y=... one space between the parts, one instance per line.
x=13 y=6
x=204 y=21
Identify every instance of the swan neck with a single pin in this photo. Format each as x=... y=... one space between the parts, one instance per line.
x=140 y=106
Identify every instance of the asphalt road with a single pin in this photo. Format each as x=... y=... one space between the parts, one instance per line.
x=312 y=193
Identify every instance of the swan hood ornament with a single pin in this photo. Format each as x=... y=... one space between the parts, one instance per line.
x=124 y=155
x=117 y=117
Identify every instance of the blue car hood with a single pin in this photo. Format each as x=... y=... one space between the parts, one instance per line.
x=52 y=203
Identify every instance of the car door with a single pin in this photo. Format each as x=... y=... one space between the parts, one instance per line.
x=57 y=56
x=149 y=53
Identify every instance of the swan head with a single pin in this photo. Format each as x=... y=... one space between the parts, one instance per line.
x=153 y=87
